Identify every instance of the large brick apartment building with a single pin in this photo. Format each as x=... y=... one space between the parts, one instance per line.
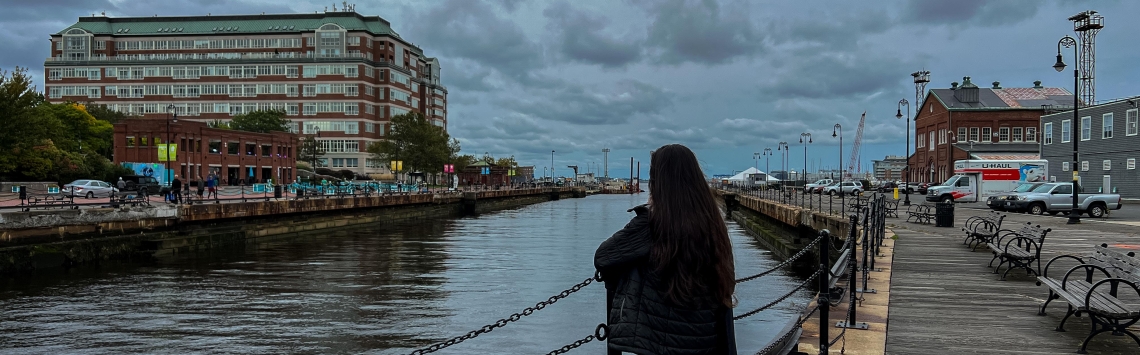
x=981 y=123
x=338 y=75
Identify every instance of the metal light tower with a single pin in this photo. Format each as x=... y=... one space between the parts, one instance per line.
x=1087 y=24
x=606 y=162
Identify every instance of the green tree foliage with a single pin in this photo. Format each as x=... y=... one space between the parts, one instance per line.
x=311 y=151
x=462 y=161
x=422 y=146
x=507 y=162
x=55 y=142
x=262 y=121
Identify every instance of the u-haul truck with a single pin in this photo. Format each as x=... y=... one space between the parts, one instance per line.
x=975 y=180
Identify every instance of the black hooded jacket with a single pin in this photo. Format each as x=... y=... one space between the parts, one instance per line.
x=640 y=319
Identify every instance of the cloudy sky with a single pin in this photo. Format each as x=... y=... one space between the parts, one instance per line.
x=726 y=78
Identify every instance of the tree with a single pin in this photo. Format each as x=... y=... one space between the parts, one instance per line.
x=463 y=161
x=507 y=162
x=261 y=121
x=25 y=123
x=311 y=151
x=422 y=146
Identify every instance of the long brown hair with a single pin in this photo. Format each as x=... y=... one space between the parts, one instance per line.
x=691 y=253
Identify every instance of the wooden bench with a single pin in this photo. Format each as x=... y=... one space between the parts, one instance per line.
x=1094 y=287
x=1019 y=249
x=49 y=200
x=133 y=199
x=982 y=229
x=892 y=208
x=920 y=214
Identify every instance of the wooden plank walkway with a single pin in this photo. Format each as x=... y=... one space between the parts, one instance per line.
x=945 y=300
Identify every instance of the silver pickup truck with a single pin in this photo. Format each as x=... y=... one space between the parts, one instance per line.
x=1053 y=198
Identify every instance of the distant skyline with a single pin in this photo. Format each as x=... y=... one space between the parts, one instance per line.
x=727 y=78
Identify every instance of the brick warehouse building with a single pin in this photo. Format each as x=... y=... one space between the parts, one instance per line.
x=983 y=123
x=338 y=75
x=231 y=154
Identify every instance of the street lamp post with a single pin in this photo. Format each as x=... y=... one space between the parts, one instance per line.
x=898 y=115
x=169 y=114
x=551 y=166
x=756 y=160
x=805 y=143
x=783 y=147
x=1075 y=214
x=837 y=131
x=767 y=165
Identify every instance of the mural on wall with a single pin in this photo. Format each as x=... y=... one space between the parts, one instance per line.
x=154 y=170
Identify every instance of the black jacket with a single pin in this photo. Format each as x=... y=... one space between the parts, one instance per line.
x=640 y=319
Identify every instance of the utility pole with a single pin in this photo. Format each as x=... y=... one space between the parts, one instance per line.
x=606 y=162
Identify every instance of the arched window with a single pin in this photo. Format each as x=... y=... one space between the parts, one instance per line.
x=330 y=40
x=76 y=44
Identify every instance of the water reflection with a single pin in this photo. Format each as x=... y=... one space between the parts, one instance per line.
x=382 y=289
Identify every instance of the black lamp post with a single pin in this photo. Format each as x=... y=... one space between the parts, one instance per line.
x=767 y=165
x=837 y=131
x=170 y=116
x=898 y=115
x=756 y=160
x=552 y=166
x=808 y=136
x=783 y=147
x=1075 y=214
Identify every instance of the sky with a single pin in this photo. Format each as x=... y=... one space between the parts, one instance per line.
x=726 y=78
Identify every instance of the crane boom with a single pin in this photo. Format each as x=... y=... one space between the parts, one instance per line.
x=851 y=165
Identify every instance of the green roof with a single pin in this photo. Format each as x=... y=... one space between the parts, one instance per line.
x=234 y=25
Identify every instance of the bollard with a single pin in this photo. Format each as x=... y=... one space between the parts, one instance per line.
x=824 y=277
x=23 y=192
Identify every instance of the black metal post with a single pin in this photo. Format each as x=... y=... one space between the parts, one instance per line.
x=823 y=302
x=1075 y=213
x=851 y=277
x=906 y=199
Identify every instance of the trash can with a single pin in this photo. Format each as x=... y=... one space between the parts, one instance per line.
x=277 y=191
x=944 y=214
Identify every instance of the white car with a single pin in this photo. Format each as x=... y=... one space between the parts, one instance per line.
x=821 y=182
x=846 y=187
x=88 y=189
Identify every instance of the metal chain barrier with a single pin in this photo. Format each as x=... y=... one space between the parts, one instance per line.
x=782 y=298
x=600 y=333
x=512 y=318
x=790 y=260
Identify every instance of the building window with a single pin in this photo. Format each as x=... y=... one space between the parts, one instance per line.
x=1086 y=128
x=973 y=134
x=130 y=141
x=961 y=130
x=1003 y=134
x=1106 y=165
x=1031 y=133
x=942 y=136
x=1085 y=165
x=1131 y=163
x=987 y=133
x=1106 y=126
x=931 y=140
x=1066 y=131
x=351 y=162
x=1130 y=118
x=1065 y=166
x=1017 y=134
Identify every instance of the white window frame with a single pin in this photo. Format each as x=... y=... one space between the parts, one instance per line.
x=1085 y=165
x=1003 y=134
x=931 y=140
x=974 y=134
x=1086 y=128
x=988 y=133
x=1130 y=122
x=1031 y=134
x=1106 y=125
x=1131 y=165
x=1064 y=166
x=1017 y=134
x=1066 y=127
x=1106 y=165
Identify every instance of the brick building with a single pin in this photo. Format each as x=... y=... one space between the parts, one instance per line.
x=979 y=123
x=1109 y=134
x=340 y=74
x=232 y=155
x=890 y=168
x=482 y=173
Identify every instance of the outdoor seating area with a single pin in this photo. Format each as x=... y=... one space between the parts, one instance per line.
x=920 y=214
x=1103 y=285
x=981 y=230
x=1019 y=249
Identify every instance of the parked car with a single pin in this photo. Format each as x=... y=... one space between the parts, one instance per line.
x=809 y=188
x=887 y=186
x=88 y=189
x=923 y=187
x=140 y=182
x=1053 y=198
x=846 y=187
x=997 y=202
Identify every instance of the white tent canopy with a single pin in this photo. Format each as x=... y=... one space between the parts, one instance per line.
x=743 y=176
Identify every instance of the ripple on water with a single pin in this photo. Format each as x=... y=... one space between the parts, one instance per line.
x=382 y=289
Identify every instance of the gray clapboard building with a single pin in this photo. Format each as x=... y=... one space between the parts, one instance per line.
x=1109 y=145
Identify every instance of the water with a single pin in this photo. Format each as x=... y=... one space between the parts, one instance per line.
x=379 y=290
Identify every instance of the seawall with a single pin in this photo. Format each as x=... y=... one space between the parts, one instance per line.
x=40 y=239
x=783 y=229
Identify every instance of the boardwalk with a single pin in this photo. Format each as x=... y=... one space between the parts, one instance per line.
x=945 y=300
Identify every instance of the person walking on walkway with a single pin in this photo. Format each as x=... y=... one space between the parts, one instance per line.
x=201 y=186
x=670 y=270
x=176 y=190
x=212 y=186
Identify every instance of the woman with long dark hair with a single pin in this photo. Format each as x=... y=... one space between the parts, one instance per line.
x=669 y=272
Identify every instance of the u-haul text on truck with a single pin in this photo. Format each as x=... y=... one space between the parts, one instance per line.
x=975 y=180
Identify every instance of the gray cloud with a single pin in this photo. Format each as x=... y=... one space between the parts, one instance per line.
x=975 y=12
x=580 y=37
x=701 y=31
x=473 y=30
x=831 y=75
x=587 y=105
